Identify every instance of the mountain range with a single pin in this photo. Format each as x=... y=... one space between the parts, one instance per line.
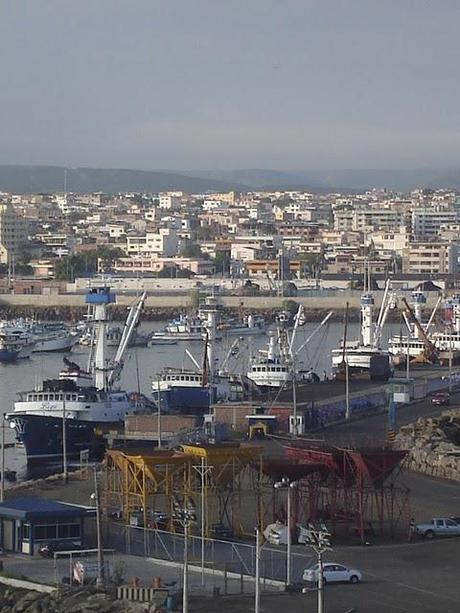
x=36 y=179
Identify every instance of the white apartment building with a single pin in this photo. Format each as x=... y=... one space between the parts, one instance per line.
x=169 y=201
x=391 y=241
x=431 y=258
x=427 y=223
x=13 y=232
x=366 y=219
x=163 y=243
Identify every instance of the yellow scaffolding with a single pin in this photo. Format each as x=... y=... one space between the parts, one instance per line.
x=220 y=477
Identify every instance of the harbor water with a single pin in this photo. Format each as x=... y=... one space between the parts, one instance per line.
x=143 y=363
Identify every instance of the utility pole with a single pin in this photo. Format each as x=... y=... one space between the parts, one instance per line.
x=159 y=414
x=450 y=359
x=186 y=514
x=289 y=486
x=100 y=552
x=65 y=474
x=347 y=391
x=257 y=584
x=318 y=540
x=203 y=470
x=2 y=486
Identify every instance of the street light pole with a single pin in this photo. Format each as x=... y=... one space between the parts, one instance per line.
x=285 y=483
x=159 y=414
x=2 y=476
x=185 y=513
x=318 y=540
x=100 y=553
x=257 y=584
x=203 y=470
x=185 y=578
x=289 y=536
x=320 y=583
x=65 y=474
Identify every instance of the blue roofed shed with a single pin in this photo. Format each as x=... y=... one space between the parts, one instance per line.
x=27 y=522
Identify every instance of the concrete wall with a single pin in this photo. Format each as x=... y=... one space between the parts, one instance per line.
x=320 y=301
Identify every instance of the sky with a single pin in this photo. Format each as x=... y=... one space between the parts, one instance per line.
x=224 y=84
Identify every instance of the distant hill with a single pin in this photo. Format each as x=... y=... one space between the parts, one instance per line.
x=30 y=179
x=261 y=179
x=340 y=180
x=35 y=179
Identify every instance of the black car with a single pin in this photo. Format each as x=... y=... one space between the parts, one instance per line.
x=440 y=399
x=49 y=549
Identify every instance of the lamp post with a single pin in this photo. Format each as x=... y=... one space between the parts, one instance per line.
x=185 y=513
x=65 y=474
x=2 y=468
x=257 y=584
x=100 y=553
x=203 y=470
x=288 y=485
x=318 y=540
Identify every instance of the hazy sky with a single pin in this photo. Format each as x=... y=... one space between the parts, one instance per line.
x=187 y=84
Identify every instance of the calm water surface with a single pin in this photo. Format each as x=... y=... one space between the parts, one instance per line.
x=141 y=364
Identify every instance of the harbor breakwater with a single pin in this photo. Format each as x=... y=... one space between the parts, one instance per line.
x=72 y=307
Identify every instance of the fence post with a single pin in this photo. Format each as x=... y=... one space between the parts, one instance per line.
x=128 y=540
x=225 y=580
x=241 y=580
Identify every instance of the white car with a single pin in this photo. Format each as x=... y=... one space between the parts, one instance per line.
x=332 y=573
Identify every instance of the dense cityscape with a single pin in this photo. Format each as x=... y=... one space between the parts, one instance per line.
x=229 y=306
x=317 y=241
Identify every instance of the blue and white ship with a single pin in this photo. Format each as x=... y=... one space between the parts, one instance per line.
x=194 y=391
x=80 y=405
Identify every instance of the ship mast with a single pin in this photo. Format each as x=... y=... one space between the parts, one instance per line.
x=99 y=298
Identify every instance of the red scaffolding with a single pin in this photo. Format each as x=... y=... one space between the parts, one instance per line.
x=355 y=491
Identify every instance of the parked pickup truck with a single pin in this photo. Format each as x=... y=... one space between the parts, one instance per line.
x=439 y=526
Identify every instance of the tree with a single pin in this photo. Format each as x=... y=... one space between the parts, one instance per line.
x=89 y=262
x=222 y=262
x=191 y=250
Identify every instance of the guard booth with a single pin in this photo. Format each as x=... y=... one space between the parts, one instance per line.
x=259 y=426
x=28 y=522
x=401 y=390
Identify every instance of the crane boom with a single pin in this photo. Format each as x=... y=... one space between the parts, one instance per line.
x=430 y=351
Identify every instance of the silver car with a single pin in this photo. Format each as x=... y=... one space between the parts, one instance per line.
x=332 y=573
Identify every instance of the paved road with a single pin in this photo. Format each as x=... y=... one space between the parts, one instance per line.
x=420 y=577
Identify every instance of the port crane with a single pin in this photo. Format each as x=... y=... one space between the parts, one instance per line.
x=430 y=354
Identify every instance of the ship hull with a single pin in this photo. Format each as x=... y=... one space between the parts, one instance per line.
x=55 y=344
x=185 y=399
x=42 y=438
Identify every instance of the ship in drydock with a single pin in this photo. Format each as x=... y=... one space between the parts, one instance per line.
x=79 y=405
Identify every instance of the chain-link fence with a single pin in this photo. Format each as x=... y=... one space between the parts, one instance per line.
x=230 y=559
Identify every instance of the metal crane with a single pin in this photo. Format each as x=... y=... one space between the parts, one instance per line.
x=430 y=353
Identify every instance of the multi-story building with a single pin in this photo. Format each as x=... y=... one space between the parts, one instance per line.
x=13 y=233
x=431 y=258
x=427 y=223
x=362 y=220
x=164 y=243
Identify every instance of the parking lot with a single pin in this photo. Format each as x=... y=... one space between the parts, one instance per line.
x=420 y=577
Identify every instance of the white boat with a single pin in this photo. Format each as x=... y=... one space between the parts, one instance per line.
x=449 y=338
x=278 y=365
x=41 y=416
x=412 y=343
x=363 y=353
x=252 y=325
x=183 y=328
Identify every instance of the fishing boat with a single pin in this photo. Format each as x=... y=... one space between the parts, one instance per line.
x=278 y=366
x=14 y=345
x=193 y=391
x=182 y=328
x=64 y=408
x=365 y=354
x=413 y=342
